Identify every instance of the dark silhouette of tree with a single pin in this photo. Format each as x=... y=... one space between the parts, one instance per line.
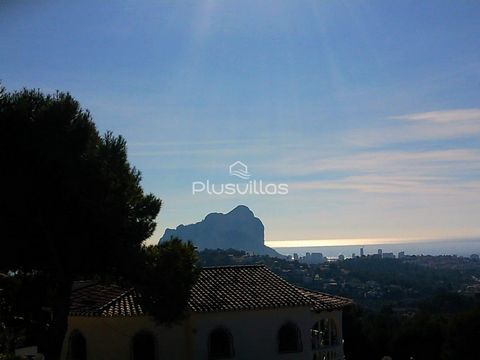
x=358 y=344
x=72 y=204
x=167 y=275
x=21 y=322
x=462 y=336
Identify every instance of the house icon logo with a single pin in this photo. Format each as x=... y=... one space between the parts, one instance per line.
x=239 y=169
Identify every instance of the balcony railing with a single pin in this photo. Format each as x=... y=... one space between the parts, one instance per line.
x=329 y=353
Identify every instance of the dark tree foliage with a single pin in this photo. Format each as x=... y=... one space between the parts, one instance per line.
x=166 y=279
x=462 y=336
x=21 y=297
x=72 y=205
x=431 y=335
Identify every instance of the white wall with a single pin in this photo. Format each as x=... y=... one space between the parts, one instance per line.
x=111 y=338
x=254 y=334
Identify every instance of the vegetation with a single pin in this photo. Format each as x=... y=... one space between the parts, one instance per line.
x=166 y=279
x=427 y=334
x=22 y=320
x=72 y=208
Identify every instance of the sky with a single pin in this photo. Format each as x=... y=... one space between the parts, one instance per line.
x=368 y=110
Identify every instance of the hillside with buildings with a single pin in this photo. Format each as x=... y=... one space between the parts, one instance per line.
x=420 y=307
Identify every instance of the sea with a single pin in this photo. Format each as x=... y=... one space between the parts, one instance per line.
x=459 y=247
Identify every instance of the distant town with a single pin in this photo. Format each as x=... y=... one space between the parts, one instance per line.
x=319 y=258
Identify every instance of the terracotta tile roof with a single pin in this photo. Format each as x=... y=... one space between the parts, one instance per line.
x=222 y=288
x=101 y=300
x=227 y=288
x=325 y=302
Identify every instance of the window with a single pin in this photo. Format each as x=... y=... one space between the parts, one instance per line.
x=78 y=346
x=220 y=344
x=324 y=333
x=289 y=338
x=143 y=346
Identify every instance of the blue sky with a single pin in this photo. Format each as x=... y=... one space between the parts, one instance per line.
x=369 y=110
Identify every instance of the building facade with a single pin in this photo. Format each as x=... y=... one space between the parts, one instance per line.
x=235 y=312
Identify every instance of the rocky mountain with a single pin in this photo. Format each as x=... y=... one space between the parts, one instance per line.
x=238 y=229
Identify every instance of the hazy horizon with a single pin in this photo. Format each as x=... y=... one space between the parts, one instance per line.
x=365 y=242
x=459 y=247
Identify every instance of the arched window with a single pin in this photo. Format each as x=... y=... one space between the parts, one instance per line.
x=324 y=333
x=289 y=338
x=220 y=344
x=77 y=346
x=143 y=346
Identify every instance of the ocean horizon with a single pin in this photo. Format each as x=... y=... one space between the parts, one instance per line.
x=459 y=247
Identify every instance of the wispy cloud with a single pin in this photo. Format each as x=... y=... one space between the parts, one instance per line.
x=421 y=127
x=450 y=172
x=446 y=116
x=335 y=164
x=423 y=185
x=404 y=162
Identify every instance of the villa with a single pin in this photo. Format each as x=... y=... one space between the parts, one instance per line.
x=235 y=312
